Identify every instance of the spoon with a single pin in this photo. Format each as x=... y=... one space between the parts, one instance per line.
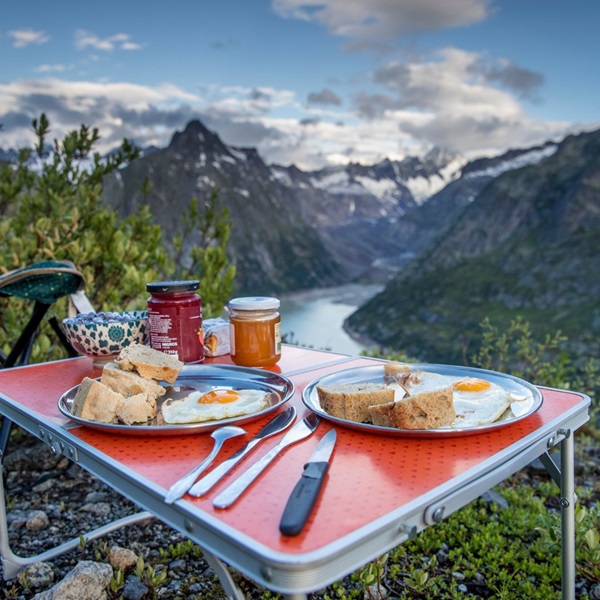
x=180 y=487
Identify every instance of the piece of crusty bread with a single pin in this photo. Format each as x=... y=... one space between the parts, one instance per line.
x=149 y=363
x=428 y=410
x=95 y=401
x=394 y=368
x=351 y=401
x=136 y=409
x=129 y=383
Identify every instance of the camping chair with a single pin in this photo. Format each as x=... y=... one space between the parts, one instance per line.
x=43 y=283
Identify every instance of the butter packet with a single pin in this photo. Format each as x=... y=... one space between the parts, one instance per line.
x=216 y=337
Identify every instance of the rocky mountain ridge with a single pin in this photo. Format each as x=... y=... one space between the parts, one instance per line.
x=293 y=229
x=520 y=243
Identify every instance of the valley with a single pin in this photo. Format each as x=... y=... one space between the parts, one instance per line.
x=449 y=241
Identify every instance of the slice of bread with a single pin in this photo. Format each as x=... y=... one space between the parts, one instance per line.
x=351 y=401
x=129 y=383
x=428 y=410
x=136 y=409
x=95 y=401
x=149 y=363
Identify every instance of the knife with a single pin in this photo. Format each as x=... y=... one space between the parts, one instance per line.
x=305 y=493
x=298 y=432
x=277 y=424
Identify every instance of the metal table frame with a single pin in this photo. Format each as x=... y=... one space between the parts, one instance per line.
x=299 y=575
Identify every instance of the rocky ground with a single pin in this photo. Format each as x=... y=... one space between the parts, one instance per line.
x=51 y=500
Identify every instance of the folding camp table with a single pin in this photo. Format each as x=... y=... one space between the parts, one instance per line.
x=380 y=490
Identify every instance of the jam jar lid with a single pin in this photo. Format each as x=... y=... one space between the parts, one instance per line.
x=254 y=303
x=172 y=287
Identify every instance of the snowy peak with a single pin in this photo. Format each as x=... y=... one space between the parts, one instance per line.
x=389 y=180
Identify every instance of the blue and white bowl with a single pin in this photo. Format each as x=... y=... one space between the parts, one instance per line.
x=103 y=335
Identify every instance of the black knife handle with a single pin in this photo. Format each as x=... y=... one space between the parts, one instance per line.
x=303 y=498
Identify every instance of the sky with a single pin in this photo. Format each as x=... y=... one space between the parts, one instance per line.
x=306 y=82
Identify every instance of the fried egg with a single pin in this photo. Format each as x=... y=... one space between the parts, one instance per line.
x=476 y=401
x=217 y=404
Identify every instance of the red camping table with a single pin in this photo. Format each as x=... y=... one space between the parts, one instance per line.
x=380 y=491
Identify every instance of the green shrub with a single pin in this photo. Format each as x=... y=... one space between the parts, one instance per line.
x=55 y=212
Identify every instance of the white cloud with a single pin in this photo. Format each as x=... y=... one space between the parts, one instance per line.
x=118 y=110
x=428 y=103
x=25 y=37
x=50 y=68
x=377 y=20
x=85 y=39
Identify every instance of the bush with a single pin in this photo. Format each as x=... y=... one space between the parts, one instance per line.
x=50 y=208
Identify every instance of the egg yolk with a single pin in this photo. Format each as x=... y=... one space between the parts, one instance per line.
x=472 y=384
x=222 y=396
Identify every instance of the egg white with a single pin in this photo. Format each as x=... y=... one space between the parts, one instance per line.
x=189 y=410
x=472 y=408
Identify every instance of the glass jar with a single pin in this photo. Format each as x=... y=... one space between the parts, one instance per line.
x=175 y=319
x=254 y=331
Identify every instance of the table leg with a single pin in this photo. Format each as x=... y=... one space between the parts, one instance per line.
x=230 y=588
x=567 y=514
x=12 y=564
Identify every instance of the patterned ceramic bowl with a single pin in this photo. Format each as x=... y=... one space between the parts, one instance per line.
x=103 y=335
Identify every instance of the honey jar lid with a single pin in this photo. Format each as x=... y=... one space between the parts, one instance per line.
x=172 y=287
x=254 y=303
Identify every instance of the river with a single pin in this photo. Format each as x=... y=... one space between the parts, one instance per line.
x=315 y=318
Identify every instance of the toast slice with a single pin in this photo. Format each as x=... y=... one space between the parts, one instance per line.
x=149 y=363
x=95 y=401
x=129 y=383
x=137 y=409
x=428 y=410
x=351 y=401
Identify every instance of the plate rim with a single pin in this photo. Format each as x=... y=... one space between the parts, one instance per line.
x=441 y=432
x=186 y=428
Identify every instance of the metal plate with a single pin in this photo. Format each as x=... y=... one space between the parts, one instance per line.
x=519 y=410
x=198 y=378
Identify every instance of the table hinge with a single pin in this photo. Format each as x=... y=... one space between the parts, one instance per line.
x=58 y=446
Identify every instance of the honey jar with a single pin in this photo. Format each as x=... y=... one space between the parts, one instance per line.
x=254 y=331
x=175 y=319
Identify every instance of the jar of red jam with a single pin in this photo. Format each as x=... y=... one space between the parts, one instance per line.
x=254 y=331
x=175 y=319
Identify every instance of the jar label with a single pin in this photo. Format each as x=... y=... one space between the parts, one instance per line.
x=277 y=338
x=232 y=339
x=177 y=331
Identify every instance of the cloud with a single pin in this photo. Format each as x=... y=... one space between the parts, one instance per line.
x=414 y=112
x=26 y=37
x=450 y=99
x=378 y=20
x=524 y=82
x=324 y=97
x=448 y=81
x=50 y=68
x=85 y=39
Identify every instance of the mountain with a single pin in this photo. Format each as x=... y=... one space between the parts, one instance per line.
x=357 y=208
x=273 y=245
x=290 y=229
x=520 y=241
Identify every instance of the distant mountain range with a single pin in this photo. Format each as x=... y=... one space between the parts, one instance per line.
x=294 y=229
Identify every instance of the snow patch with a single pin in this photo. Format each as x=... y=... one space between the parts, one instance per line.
x=282 y=177
x=239 y=154
x=523 y=160
x=380 y=188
